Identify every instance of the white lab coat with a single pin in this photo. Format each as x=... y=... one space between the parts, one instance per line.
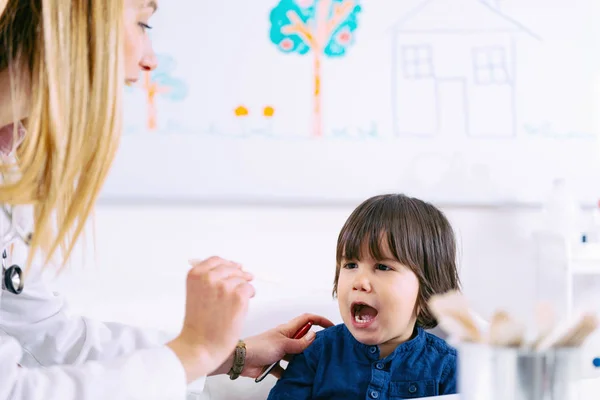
x=65 y=357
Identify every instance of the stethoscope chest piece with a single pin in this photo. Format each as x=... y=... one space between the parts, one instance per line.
x=12 y=277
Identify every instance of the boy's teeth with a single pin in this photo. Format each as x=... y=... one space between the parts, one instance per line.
x=364 y=313
x=362 y=318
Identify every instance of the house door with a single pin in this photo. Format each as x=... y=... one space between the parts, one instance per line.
x=452 y=109
x=414 y=108
x=491 y=111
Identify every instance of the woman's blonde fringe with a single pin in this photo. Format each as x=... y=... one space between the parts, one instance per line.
x=74 y=123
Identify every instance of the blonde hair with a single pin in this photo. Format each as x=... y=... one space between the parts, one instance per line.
x=70 y=54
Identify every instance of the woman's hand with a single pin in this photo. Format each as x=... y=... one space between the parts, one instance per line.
x=217 y=298
x=276 y=344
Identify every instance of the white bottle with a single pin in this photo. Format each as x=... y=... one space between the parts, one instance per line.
x=562 y=213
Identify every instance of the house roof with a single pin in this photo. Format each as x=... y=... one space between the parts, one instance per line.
x=457 y=16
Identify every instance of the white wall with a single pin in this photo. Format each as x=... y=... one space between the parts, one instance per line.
x=142 y=254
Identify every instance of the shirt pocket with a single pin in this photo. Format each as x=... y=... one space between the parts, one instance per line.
x=413 y=389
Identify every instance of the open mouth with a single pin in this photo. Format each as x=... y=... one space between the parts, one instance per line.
x=363 y=313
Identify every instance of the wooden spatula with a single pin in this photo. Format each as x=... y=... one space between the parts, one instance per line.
x=571 y=334
x=505 y=330
x=453 y=314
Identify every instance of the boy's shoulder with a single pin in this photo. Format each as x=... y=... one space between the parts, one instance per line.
x=337 y=336
x=440 y=345
x=327 y=339
x=332 y=333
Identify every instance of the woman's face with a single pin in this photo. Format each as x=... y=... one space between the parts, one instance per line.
x=139 y=55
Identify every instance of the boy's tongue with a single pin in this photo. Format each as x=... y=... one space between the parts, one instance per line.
x=365 y=312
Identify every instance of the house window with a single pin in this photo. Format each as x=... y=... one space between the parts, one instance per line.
x=417 y=62
x=490 y=65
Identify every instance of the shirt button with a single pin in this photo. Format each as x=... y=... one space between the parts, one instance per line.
x=379 y=365
x=373 y=349
x=374 y=394
x=412 y=388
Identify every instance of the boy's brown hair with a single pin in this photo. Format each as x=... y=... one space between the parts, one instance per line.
x=418 y=235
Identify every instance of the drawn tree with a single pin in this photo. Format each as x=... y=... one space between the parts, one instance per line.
x=160 y=82
x=324 y=26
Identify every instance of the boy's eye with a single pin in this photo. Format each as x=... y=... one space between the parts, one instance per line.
x=382 y=267
x=350 y=265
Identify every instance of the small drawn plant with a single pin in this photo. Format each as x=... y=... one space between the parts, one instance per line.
x=324 y=26
x=242 y=113
x=160 y=82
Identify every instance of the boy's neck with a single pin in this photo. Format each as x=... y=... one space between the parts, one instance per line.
x=387 y=348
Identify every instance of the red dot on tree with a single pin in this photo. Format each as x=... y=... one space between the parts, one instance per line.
x=286 y=44
x=344 y=37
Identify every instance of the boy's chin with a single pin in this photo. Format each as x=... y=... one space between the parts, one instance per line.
x=368 y=341
x=369 y=338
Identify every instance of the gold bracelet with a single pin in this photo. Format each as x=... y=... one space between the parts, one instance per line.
x=239 y=359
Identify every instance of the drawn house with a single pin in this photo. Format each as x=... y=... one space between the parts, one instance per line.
x=454 y=70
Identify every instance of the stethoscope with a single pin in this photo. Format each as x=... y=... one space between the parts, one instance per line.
x=12 y=277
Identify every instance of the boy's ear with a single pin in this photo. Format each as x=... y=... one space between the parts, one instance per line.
x=419 y=307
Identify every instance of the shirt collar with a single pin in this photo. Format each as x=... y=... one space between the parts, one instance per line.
x=410 y=345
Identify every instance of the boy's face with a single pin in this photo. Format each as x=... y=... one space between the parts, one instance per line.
x=388 y=293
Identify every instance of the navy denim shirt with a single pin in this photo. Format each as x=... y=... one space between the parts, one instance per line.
x=337 y=366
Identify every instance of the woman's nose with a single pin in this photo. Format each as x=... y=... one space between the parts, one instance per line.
x=149 y=62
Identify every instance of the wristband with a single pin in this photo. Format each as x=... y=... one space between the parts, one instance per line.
x=239 y=359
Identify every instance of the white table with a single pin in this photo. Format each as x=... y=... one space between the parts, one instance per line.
x=588 y=389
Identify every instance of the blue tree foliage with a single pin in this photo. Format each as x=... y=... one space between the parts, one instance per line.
x=162 y=75
x=279 y=19
x=306 y=12
x=337 y=47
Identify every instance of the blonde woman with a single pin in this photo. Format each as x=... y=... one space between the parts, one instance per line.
x=63 y=64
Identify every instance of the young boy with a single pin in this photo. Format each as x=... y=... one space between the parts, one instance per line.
x=393 y=253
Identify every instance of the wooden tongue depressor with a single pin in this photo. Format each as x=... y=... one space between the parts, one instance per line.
x=544 y=320
x=505 y=330
x=571 y=334
x=577 y=336
x=452 y=312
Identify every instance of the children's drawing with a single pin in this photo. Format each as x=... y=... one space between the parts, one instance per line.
x=240 y=111
x=454 y=70
x=160 y=82
x=261 y=123
x=546 y=130
x=324 y=26
x=268 y=112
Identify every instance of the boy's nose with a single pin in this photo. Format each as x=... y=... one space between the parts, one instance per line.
x=362 y=283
